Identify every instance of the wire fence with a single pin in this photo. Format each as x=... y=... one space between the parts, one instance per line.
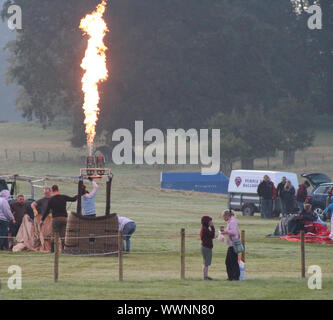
x=182 y=249
x=43 y=156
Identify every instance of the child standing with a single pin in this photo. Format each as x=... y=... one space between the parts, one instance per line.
x=207 y=234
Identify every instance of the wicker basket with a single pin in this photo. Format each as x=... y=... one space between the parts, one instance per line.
x=91 y=235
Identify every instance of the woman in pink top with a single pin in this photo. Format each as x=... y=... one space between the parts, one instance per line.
x=232 y=232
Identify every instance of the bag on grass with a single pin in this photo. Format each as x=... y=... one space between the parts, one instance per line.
x=241 y=269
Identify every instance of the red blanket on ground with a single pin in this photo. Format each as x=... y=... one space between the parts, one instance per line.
x=314 y=233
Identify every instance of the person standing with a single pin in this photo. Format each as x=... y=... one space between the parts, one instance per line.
x=288 y=194
x=42 y=235
x=59 y=213
x=280 y=195
x=18 y=208
x=265 y=191
x=301 y=195
x=328 y=212
x=328 y=202
x=40 y=206
x=128 y=227
x=88 y=200
x=207 y=234
x=6 y=217
x=232 y=232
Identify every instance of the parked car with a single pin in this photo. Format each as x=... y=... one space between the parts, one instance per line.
x=321 y=184
x=242 y=189
x=7 y=185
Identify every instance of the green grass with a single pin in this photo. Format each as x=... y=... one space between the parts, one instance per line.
x=152 y=270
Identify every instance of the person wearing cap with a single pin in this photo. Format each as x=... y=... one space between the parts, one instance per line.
x=6 y=217
x=308 y=215
x=207 y=234
x=307 y=212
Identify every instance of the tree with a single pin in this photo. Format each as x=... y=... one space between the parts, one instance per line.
x=295 y=120
x=246 y=134
x=172 y=63
x=45 y=58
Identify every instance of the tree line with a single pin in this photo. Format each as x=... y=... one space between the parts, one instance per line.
x=251 y=68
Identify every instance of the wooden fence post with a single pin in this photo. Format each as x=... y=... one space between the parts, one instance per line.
x=34 y=156
x=20 y=156
x=182 y=253
x=243 y=243
x=120 y=254
x=56 y=256
x=302 y=254
x=6 y=154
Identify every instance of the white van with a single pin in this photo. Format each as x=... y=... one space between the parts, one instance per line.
x=242 y=189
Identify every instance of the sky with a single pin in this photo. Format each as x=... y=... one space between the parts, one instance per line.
x=7 y=92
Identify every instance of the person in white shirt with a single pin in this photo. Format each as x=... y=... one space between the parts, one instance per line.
x=127 y=226
x=88 y=200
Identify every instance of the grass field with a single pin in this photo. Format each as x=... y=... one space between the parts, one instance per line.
x=152 y=270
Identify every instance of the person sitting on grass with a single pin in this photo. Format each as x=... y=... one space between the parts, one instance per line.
x=207 y=234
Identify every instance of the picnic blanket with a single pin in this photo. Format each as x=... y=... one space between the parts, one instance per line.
x=314 y=233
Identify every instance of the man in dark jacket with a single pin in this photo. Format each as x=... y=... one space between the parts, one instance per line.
x=207 y=234
x=301 y=195
x=280 y=189
x=266 y=193
x=57 y=205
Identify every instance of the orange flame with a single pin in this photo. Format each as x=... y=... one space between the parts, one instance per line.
x=94 y=64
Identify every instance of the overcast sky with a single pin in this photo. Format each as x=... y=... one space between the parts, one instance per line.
x=7 y=93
